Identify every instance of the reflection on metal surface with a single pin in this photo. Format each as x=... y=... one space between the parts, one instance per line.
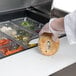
x=7 y=5
x=55 y=12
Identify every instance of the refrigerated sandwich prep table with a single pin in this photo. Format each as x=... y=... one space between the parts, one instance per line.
x=19 y=26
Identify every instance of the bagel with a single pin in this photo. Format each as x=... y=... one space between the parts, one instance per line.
x=47 y=45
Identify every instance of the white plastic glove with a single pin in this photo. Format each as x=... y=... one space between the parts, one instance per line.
x=54 y=26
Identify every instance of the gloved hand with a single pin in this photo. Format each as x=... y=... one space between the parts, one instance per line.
x=54 y=26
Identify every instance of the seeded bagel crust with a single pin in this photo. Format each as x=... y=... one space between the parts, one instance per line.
x=46 y=48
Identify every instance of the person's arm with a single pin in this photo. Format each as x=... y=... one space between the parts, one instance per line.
x=70 y=27
x=66 y=24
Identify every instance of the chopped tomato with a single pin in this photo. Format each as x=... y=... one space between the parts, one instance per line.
x=5 y=45
x=9 y=52
x=4 y=42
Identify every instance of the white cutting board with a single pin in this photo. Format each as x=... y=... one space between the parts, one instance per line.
x=33 y=63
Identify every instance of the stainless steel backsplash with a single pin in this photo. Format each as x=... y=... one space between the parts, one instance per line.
x=7 y=5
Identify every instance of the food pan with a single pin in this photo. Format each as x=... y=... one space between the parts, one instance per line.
x=8 y=46
x=28 y=23
x=17 y=33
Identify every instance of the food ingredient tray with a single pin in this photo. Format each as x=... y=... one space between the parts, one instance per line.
x=15 y=37
x=29 y=24
x=22 y=36
x=8 y=46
